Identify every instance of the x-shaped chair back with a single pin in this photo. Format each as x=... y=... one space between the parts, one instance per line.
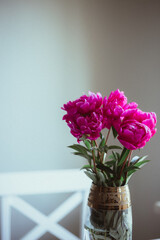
x=14 y=185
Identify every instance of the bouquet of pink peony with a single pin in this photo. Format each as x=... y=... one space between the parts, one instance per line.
x=109 y=166
x=89 y=116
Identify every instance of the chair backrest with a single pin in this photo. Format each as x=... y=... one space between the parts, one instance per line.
x=14 y=185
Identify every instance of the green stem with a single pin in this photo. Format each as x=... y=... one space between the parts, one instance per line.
x=99 y=154
x=102 y=156
x=124 y=165
x=93 y=155
x=95 y=143
x=129 y=160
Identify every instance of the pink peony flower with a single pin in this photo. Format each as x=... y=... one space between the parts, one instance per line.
x=114 y=107
x=84 y=116
x=136 y=129
x=147 y=118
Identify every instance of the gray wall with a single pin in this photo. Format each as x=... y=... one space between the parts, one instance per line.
x=124 y=45
x=54 y=51
x=43 y=64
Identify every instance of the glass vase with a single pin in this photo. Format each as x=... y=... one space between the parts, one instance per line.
x=108 y=214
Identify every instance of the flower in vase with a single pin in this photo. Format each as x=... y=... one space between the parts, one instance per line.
x=88 y=116
x=136 y=129
x=109 y=165
x=113 y=108
x=84 y=116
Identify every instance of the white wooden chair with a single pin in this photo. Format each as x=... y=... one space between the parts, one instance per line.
x=14 y=185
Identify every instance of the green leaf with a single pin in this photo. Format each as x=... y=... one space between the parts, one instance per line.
x=87 y=143
x=114 y=132
x=93 y=143
x=124 y=156
x=101 y=166
x=123 y=151
x=111 y=157
x=85 y=155
x=87 y=167
x=137 y=164
x=105 y=149
x=79 y=148
x=139 y=159
x=141 y=163
x=110 y=163
x=118 y=155
x=115 y=156
x=119 y=182
x=131 y=167
x=101 y=136
x=130 y=173
x=92 y=176
x=88 y=157
x=114 y=147
x=101 y=177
